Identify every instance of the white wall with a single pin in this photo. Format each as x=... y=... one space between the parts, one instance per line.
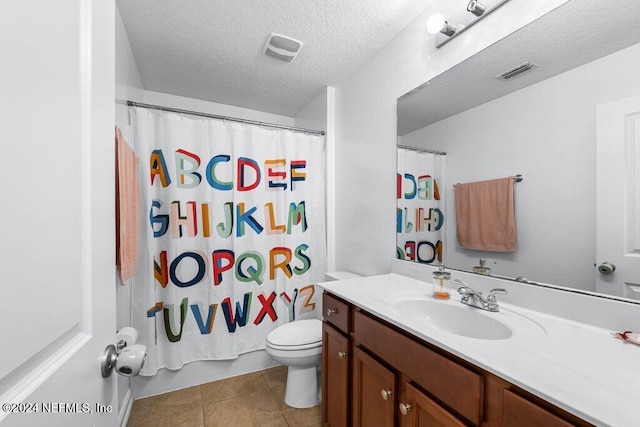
x=314 y=114
x=547 y=132
x=366 y=125
x=320 y=114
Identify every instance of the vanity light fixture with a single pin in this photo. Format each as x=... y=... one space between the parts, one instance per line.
x=476 y=8
x=446 y=29
x=438 y=24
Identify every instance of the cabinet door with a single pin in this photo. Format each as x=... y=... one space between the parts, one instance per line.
x=518 y=411
x=418 y=410
x=335 y=377
x=374 y=392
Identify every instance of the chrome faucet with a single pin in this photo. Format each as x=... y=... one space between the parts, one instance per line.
x=475 y=299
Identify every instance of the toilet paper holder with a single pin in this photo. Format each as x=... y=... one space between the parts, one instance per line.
x=126 y=357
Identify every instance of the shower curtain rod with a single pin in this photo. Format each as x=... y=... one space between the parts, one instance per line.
x=422 y=150
x=231 y=119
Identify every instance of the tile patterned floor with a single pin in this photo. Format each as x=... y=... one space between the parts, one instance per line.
x=255 y=399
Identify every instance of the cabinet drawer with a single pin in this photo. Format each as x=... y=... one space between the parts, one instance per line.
x=336 y=312
x=518 y=411
x=458 y=387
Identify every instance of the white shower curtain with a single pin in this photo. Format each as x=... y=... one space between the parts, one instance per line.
x=420 y=192
x=232 y=235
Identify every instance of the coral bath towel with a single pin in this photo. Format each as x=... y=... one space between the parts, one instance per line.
x=485 y=215
x=127 y=209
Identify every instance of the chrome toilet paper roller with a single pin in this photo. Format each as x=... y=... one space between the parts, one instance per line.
x=126 y=357
x=606 y=268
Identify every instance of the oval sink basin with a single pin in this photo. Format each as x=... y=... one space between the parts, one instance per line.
x=458 y=319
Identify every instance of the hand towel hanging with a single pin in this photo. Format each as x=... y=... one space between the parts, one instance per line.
x=485 y=215
x=127 y=209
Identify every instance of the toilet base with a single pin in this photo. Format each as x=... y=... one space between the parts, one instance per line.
x=301 y=390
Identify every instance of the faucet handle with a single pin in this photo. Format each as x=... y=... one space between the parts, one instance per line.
x=460 y=282
x=491 y=297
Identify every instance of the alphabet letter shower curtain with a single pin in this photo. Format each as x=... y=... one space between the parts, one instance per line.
x=232 y=235
x=420 y=205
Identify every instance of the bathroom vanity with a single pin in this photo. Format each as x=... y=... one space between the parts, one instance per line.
x=385 y=363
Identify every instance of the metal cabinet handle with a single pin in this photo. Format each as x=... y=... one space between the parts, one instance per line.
x=405 y=408
x=341 y=354
x=331 y=311
x=385 y=394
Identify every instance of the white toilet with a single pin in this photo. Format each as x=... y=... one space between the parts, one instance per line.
x=298 y=345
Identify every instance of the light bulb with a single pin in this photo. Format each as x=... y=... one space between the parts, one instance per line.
x=435 y=23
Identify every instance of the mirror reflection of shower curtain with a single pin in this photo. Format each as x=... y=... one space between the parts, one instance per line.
x=420 y=216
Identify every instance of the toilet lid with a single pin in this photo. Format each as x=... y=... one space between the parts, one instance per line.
x=297 y=333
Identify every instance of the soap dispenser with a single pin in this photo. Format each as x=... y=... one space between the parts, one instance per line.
x=441 y=284
x=481 y=269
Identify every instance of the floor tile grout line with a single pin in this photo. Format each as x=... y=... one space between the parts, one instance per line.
x=204 y=421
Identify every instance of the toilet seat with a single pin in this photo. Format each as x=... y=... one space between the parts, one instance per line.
x=297 y=335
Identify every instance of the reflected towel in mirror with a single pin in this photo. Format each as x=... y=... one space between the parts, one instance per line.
x=485 y=215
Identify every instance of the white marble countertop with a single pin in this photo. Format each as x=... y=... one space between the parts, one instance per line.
x=578 y=367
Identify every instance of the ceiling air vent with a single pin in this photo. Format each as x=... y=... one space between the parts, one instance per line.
x=282 y=47
x=509 y=74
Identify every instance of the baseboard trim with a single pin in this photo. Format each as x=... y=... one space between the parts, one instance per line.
x=125 y=410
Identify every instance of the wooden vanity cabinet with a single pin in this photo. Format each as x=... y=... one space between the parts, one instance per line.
x=336 y=360
x=335 y=377
x=518 y=411
x=459 y=388
x=375 y=374
x=419 y=410
x=375 y=388
x=374 y=392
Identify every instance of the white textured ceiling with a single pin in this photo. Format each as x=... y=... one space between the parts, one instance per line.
x=212 y=49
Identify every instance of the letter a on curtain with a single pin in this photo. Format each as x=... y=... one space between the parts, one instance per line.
x=232 y=235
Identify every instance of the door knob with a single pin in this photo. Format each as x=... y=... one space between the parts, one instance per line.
x=341 y=354
x=405 y=408
x=385 y=394
x=108 y=360
x=606 y=268
x=331 y=311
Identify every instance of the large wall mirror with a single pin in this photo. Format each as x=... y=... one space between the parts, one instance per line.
x=570 y=126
